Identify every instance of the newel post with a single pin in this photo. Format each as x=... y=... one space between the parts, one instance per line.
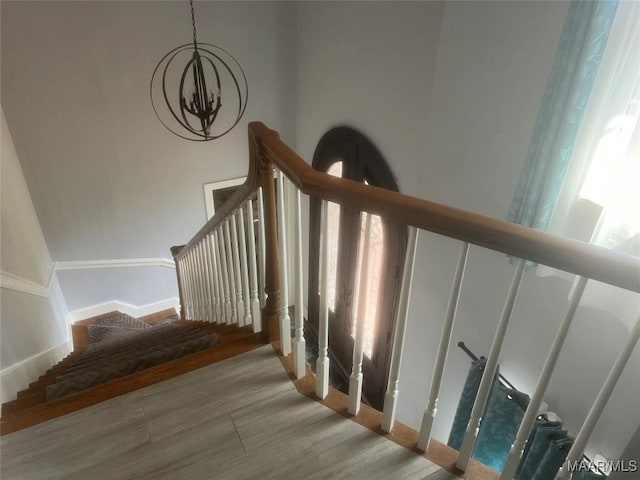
x=265 y=169
x=175 y=250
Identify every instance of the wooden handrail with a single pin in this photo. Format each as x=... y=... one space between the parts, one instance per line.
x=268 y=151
x=619 y=269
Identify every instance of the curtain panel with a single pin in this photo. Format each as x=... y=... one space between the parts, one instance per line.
x=582 y=43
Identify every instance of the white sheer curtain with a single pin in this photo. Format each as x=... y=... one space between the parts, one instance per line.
x=600 y=199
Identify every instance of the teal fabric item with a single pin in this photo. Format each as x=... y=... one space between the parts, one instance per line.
x=540 y=421
x=465 y=404
x=569 y=86
x=500 y=422
x=554 y=457
x=541 y=440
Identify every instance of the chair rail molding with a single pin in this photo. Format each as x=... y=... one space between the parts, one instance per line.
x=17 y=283
x=115 y=263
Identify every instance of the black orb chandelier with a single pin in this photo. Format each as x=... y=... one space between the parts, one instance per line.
x=196 y=112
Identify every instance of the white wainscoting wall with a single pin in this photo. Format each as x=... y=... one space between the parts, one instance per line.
x=48 y=300
x=41 y=309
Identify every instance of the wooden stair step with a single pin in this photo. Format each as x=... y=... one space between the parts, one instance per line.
x=32 y=415
x=72 y=364
x=37 y=390
x=134 y=346
x=34 y=398
x=103 y=352
x=127 y=366
x=232 y=336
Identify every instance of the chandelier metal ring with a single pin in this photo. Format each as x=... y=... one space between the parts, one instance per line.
x=203 y=106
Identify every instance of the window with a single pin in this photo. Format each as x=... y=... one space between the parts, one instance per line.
x=599 y=200
x=613 y=181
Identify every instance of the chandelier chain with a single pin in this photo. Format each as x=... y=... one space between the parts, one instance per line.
x=193 y=23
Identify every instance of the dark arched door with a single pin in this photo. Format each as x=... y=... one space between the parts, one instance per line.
x=346 y=153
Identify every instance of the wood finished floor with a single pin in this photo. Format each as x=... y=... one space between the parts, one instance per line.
x=238 y=419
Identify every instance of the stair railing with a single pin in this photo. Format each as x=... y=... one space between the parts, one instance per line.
x=228 y=272
x=268 y=154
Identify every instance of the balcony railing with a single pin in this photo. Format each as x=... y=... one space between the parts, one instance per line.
x=235 y=269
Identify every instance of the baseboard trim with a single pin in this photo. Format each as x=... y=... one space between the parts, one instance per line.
x=18 y=376
x=117 y=305
x=115 y=263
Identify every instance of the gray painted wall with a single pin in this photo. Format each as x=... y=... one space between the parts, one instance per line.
x=108 y=181
x=144 y=285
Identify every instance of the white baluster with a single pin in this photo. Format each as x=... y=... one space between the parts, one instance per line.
x=391 y=397
x=206 y=245
x=183 y=284
x=180 y=287
x=253 y=271
x=213 y=274
x=188 y=282
x=196 y=292
x=261 y=250
x=489 y=371
x=529 y=418
x=577 y=449
x=299 y=349
x=244 y=267
x=355 y=380
x=230 y=271
x=285 y=321
x=206 y=281
x=208 y=301
x=218 y=275
x=443 y=351
x=198 y=277
x=237 y=273
x=202 y=280
x=225 y=274
x=322 y=364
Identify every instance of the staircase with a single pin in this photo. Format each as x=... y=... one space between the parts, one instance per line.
x=237 y=276
x=124 y=358
x=229 y=269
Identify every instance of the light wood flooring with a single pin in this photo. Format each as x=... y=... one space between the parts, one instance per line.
x=238 y=419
